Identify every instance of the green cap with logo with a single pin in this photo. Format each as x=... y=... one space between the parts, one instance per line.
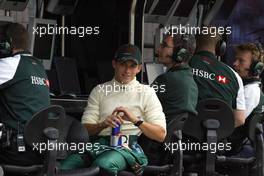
x=128 y=52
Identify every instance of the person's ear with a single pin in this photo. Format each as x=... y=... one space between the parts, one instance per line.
x=139 y=68
x=114 y=63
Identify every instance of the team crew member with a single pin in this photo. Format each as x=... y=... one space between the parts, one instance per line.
x=249 y=66
x=179 y=94
x=24 y=90
x=127 y=102
x=180 y=90
x=215 y=79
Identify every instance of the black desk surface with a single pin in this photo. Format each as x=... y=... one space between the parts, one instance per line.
x=74 y=105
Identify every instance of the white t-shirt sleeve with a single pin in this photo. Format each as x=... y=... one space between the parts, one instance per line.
x=153 y=109
x=252 y=97
x=8 y=68
x=240 y=99
x=91 y=112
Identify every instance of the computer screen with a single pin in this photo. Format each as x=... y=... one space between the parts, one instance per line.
x=153 y=71
x=67 y=76
x=42 y=40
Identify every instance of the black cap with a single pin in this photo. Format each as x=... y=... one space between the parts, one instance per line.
x=128 y=52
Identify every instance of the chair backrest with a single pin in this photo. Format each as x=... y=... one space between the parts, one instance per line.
x=251 y=126
x=70 y=130
x=77 y=135
x=214 y=109
x=51 y=116
x=177 y=123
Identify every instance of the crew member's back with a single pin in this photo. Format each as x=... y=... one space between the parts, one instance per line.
x=24 y=90
x=215 y=79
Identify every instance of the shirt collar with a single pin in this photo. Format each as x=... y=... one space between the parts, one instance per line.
x=179 y=67
x=131 y=83
x=207 y=54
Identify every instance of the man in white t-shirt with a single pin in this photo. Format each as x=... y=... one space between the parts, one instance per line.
x=123 y=101
x=249 y=66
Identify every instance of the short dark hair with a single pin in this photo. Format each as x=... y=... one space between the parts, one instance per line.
x=18 y=35
x=206 y=39
x=183 y=41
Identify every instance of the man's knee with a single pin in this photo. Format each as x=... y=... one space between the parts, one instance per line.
x=112 y=162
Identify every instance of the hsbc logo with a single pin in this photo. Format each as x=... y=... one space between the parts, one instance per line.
x=222 y=79
x=39 y=81
x=203 y=74
x=212 y=76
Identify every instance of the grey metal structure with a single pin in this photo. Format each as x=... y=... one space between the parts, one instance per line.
x=6 y=19
x=13 y=5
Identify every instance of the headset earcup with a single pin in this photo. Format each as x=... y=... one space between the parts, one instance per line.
x=258 y=68
x=5 y=49
x=5 y=43
x=220 y=48
x=181 y=55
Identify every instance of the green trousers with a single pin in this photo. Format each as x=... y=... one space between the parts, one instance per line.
x=111 y=159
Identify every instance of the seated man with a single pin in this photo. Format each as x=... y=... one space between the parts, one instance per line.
x=123 y=101
x=249 y=66
x=24 y=90
x=180 y=92
x=215 y=79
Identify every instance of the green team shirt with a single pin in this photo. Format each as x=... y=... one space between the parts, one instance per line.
x=178 y=92
x=24 y=87
x=217 y=80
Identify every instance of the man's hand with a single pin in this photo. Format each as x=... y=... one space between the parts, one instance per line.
x=125 y=114
x=113 y=121
x=152 y=131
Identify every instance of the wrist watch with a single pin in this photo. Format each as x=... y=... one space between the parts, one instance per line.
x=138 y=123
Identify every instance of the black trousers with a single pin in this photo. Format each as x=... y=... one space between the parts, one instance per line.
x=11 y=156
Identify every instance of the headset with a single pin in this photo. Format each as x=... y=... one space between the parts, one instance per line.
x=180 y=55
x=220 y=48
x=5 y=42
x=257 y=66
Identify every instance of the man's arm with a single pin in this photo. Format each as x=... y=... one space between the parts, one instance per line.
x=8 y=69
x=152 y=131
x=252 y=97
x=239 y=111
x=239 y=116
x=90 y=118
x=94 y=129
